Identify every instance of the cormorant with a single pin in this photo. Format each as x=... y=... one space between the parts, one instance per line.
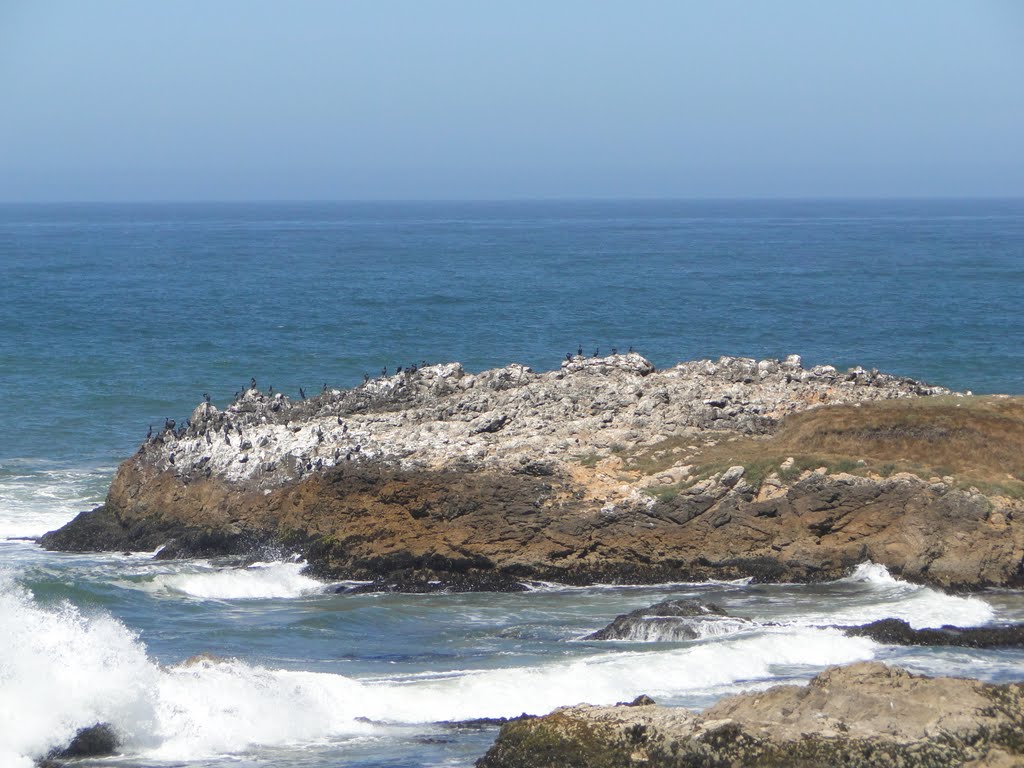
x=253 y=382
x=568 y=355
x=580 y=351
x=384 y=372
x=302 y=393
x=597 y=352
x=366 y=378
x=206 y=397
x=149 y=435
x=631 y=349
x=615 y=350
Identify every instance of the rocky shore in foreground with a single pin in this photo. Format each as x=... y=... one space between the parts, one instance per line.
x=862 y=715
x=603 y=470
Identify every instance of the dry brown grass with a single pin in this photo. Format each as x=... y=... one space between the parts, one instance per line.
x=977 y=440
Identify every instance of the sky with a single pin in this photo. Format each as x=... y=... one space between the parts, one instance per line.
x=125 y=100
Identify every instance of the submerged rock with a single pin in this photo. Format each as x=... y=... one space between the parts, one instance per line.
x=670 y=621
x=860 y=716
x=899 y=632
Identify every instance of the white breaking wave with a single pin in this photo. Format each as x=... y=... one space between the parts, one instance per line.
x=61 y=670
x=258 y=581
x=34 y=501
x=890 y=597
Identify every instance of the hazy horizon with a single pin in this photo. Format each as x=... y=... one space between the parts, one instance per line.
x=257 y=101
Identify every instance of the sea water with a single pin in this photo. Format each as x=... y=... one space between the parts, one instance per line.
x=116 y=317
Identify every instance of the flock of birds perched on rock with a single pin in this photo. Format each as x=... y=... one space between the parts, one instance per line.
x=170 y=425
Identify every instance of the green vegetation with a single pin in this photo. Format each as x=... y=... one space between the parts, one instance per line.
x=979 y=441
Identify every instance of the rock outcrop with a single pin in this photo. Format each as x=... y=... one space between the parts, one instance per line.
x=865 y=715
x=670 y=621
x=438 y=476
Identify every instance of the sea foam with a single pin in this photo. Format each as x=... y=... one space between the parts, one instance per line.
x=62 y=669
x=885 y=596
x=257 y=581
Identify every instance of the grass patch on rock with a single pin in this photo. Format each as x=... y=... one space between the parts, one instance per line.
x=979 y=441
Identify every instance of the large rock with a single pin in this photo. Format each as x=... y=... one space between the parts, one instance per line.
x=443 y=476
x=865 y=715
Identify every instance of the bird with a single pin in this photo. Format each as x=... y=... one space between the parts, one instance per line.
x=302 y=393
x=149 y=435
x=252 y=382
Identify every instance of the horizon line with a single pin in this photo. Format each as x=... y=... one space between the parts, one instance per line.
x=521 y=199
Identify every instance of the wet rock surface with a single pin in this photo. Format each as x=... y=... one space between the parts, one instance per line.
x=95 y=741
x=861 y=715
x=481 y=481
x=667 y=621
x=899 y=632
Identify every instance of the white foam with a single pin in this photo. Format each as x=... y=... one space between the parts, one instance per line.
x=34 y=501
x=61 y=670
x=889 y=597
x=257 y=581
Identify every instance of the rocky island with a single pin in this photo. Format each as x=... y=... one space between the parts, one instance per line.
x=605 y=469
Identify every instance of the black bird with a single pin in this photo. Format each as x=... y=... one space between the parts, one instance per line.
x=236 y=396
x=252 y=382
x=615 y=350
x=319 y=435
x=384 y=372
x=302 y=393
x=630 y=349
x=366 y=378
x=580 y=351
x=568 y=355
x=325 y=386
x=169 y=424
x=398 y=370
x=227 y=439
x=208 y=440
x=206 y=398
x=149 y=435
x=597 y=352
x=171 y=458
x=339 y=419
x=270 y=390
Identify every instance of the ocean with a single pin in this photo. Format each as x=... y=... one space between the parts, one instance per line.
x=115 y=317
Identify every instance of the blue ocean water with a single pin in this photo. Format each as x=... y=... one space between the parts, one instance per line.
x=114 y=317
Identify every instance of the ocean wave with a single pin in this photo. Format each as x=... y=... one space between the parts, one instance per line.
x=257 y=581
x=886 y=596
x=36 y=499
x=63 y=670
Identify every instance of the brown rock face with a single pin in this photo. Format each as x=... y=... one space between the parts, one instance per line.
x=516 y=475
x=862 y=715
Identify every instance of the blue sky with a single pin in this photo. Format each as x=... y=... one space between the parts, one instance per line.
x=417 y=99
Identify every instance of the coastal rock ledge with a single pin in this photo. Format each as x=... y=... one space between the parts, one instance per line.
x=603 y=470
x=865 y=715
